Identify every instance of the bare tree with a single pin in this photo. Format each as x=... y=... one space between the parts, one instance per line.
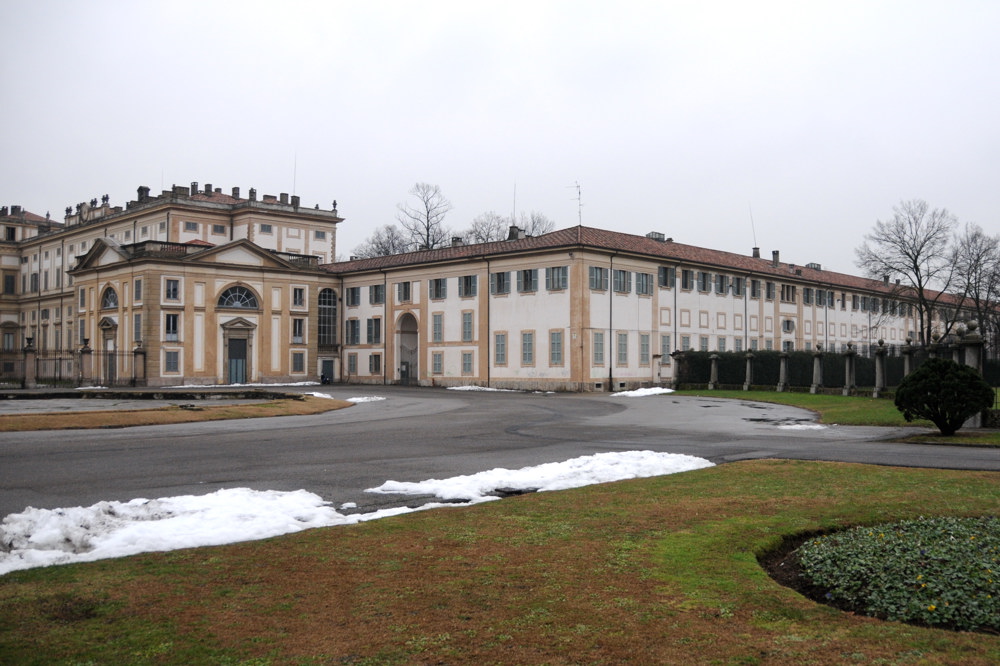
x=493 y=227
x=535 y=223
x=977 y=262
x=387 y=239
x=423 y=222
x=913 y=246
x=487 y=227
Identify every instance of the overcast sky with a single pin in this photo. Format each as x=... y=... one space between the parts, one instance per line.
x=791 y=126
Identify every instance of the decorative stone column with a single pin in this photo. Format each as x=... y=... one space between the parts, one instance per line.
x=907 y=352
x=817 y=370
x=86 y=364
x=934 y=346
x=748 y=382
x=30 y=367
x=879 y=369
x=138 y=364
x=679 y=370
x=972 y=342
x=849 y=359
x=713 y=375
x=782 y=372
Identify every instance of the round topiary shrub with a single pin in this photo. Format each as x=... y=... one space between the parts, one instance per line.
x=945 y=393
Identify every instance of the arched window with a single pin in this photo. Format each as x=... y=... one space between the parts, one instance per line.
x=327 y=320
x=238 y=297
x=109 y=301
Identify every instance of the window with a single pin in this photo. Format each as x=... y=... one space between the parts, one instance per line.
x=327 y=317
x=439 y=288
x=807 y=295
x=467 y=286
x=500 y=283
x=437 y=327
x=467 y=327
x=171 y=361
x=667 y=276
x=11 y=233
x=9 y=341
x=754 y=288
x=704 y=281
x=644 y=349
x=788 y=325
x=598 y=348
x=703 y=343
x=9 y=283
x=527 y=280
x=500 y=349
x=665 y=348
x=238 y=297
x=437 y=363
x=721 y=284
x=854 y=301
x=556 y=278
x=527 y=348
x=376 y=294
x=136 y=327
x=466 y=363
x=721 y=344
x=555 y=348
x=172 y=290
x=265 y=228
x=738 y=344
x=373 y=334
x=598 y=278
x=687 y=279
x=109 y=301
x=623 y=349
x=319 y=235
x=769 y=291
x=352 y=364
x=298 y=362
x=352 y=295
x=403 y=292
x=298 y=330
x=219 y=229
x=190 y=226
x=788 y=346
x=353 y=332
x=298 y=296
x=788 y=293
x=170 y=327
x=644 y=284
x=375 y=364
x=34 y=282
x=622 y=281
x=137 y=290
x=739 y=285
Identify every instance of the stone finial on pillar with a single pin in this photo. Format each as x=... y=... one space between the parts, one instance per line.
x=850 y=356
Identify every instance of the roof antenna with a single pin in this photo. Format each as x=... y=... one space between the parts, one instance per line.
x=579 y=203
x=753 y=229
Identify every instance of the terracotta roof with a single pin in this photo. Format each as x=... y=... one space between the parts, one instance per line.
x=216 y=197
x=200 y=243
x=582 y=237
x=27 y=216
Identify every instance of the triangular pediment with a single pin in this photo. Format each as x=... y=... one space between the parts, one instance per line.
x=239 y=323
x=241 y=253
x=103 y=252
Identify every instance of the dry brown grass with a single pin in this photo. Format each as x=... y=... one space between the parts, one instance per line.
x=167 y=415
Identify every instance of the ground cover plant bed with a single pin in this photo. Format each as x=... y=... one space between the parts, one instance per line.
x=659 y=570
x=202 y=411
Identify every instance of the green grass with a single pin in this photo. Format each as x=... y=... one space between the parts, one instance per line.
x=660 y=570
x=856 y=410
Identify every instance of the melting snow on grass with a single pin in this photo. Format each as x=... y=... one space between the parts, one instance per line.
x=642 y=393
x=42 y=537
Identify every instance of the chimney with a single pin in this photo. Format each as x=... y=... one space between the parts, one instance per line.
x=456 y=241
x=143 y=194
x=253 y=194
x=283 y=197
x=194 y=187
x=3 y=211
x=775 y=258
x=515 y=233
x=15 y=210
x=236 y=193
x=208 y=188
x=756 y=253
x=885 y=280
x=295 y=200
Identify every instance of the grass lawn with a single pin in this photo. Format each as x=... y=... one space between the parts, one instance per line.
x=856 y=410
x=651 y=571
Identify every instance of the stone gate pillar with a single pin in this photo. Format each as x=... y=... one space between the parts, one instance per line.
x=817 y=370
x=86 y=364
x=138 y=365
x=748 y=382
x=879 y=369
x=30 y=366
x=972 y=342
x=849 y=358
x=782 y=372
x=713 y=375
x=907 y=352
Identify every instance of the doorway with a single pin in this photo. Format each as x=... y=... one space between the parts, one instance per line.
x=237 y=355
x=409 y=349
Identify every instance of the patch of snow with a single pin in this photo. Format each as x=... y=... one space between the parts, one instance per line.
x=43 y=537
x=801 y=426
x=482 y=388
x=642 y=393
x=366 y=398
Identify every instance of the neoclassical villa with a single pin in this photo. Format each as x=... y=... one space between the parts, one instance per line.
x=194 y=286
